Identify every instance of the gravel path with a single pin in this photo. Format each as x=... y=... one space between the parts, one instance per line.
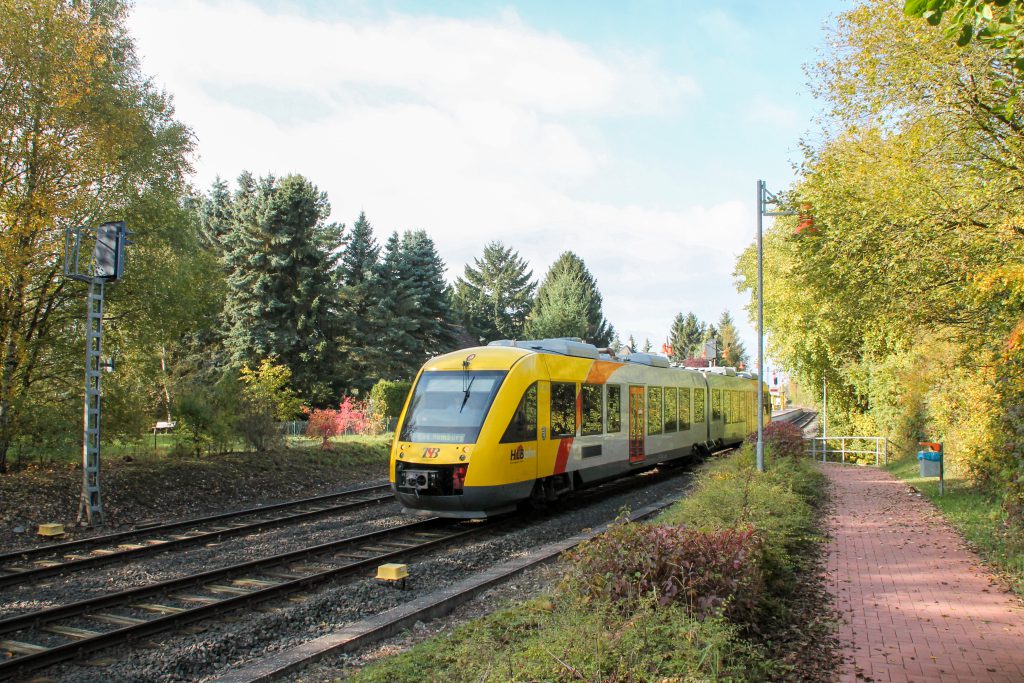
x=284 y=623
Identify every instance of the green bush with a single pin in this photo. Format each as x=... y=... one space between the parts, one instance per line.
x=207 y=416
x=778 y=504
x=387 y=397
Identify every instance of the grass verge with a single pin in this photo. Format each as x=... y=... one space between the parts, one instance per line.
x=722 y=587
x=976 y=515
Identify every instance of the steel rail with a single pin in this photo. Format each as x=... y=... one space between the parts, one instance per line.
x=11 y=572
x=245 y=590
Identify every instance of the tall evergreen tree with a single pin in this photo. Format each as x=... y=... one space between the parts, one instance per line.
x=399 y=349
x=569 y=277
x=733 y=352
x=493 y=298
x=214 y=211
x=278 y=251
x=424 y=276
x=616 y=344
x=358 y=299
x=685 y=337
x=563 y=310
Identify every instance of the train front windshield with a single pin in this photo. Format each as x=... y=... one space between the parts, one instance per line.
x=449 y=406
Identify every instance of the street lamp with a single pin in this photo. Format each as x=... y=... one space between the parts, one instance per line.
x=764 y=198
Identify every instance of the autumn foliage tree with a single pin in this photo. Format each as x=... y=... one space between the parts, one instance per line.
x=84 y=138
x=907 y=298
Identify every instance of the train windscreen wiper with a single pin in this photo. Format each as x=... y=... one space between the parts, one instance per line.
x=465 y=396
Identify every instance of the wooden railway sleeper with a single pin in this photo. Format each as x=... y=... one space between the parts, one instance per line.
x=114 y=619
x=157 y=608
x=18 y=647
x=70 y=632
x=199 y=599
x=230 y=590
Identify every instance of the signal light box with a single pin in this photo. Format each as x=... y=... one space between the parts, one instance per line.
x=108 y=252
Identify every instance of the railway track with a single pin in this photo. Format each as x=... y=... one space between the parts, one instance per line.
x=36 y=640
x=33 y=564
x=43 y=638
x=799 y=417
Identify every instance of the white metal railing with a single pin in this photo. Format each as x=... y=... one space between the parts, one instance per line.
x=849 y=446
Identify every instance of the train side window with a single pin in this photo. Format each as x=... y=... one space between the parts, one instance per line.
x=614 y=411
x=684 y=408
x=654 y=405
x=727 y=412
x=671 y=414
x=716 y=404
x=523 y=426
x=699 y=405
x=563 y=409
x=590 y=403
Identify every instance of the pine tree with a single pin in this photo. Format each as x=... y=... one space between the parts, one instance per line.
x=563 y=310
x=399 y=351
x=278 y=253
x=493 y=298
x=685 y=337
x=358 y=300
x=631 y=344
x=733 y=353
x=647 y=345
x=616 y=344
x=430 y=294
x=569 y=277
x=214 y=212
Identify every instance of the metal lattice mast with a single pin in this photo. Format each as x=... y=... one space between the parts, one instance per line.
x=106 y=264
x=764 y=199
x=90 y=509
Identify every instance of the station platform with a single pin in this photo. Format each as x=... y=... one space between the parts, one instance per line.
x=916 y=603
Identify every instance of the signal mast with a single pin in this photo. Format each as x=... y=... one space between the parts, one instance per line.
x=106 y=265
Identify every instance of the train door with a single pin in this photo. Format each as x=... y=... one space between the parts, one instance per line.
x=636 y=424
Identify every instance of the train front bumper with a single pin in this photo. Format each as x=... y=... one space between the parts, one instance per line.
x=473 y=503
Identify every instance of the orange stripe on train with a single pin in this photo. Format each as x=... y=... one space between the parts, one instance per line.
x=562 y=459
x=601 y=370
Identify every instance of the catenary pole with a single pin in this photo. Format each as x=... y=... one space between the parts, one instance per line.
x=760 y=331
x=764 y=198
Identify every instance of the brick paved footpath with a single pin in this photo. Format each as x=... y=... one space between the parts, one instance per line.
x=917 y=604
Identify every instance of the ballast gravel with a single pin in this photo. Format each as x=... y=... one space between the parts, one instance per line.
x=147 y=569
x=211 y=647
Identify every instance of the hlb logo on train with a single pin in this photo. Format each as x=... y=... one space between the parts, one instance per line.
x=519 y=454
x=431 y=452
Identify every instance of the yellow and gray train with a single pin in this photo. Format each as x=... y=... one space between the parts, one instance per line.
x=487 y=428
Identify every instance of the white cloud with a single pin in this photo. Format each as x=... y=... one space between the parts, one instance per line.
x=473 y=130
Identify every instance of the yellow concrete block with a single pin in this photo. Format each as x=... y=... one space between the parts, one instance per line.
x=51 y=529
x=392 y=572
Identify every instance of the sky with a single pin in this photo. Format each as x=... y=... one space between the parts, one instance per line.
x=630 y=133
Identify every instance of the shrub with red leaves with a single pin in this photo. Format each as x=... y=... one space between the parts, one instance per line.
x=783 y=439
x=351 y=417
x=708 y=572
